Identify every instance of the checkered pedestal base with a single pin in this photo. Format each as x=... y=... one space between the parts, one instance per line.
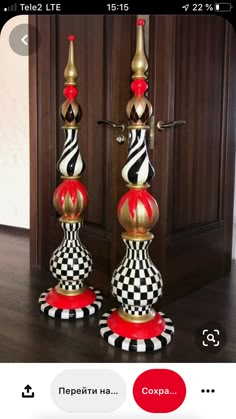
x=70 y=264
x=137 y=285
x=136 y=337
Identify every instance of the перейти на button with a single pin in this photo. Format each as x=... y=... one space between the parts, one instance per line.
x=88 y=390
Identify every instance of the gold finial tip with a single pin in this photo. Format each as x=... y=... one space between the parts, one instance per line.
x=71 y=72
x=139 y=63
x=141 y=22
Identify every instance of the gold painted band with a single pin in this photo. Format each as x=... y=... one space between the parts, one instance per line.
x=70 y=293
x=137 y=237
x=138 y=127
x=136 y=319
x=70 y=177
x=71 y=127
x=75 y=220
x=133 y=186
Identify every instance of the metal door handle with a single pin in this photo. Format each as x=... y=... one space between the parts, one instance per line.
x=120 y=139
x=162 y=125
x=112 y=124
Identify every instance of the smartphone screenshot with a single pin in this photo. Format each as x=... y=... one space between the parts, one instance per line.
x=118 y=210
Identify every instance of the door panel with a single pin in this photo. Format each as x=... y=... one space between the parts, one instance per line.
x=198 y=98
x=191 y=82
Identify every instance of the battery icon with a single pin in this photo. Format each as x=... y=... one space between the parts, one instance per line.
x=223 y=7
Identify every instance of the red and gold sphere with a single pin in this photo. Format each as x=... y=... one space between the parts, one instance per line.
x=70 y=199
x=138 y=211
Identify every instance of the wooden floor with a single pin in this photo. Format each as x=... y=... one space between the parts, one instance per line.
x=26 y=335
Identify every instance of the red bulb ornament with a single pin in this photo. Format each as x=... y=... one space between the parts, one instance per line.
x=141 y=22
x=139 y=87
x=70 y=92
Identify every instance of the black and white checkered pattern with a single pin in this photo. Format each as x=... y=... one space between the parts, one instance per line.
x=71 y=260
x=136 y=345
x=70 y=285
x=135 y=310
x=70 y=314
x=136 y=283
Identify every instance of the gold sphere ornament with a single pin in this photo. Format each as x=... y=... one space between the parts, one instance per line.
x=138 y=211
x=70 y=199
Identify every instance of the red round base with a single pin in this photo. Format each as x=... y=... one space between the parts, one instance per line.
x=146 y=330
x=57 y=300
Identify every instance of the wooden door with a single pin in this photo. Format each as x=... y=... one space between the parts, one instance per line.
x=103 y=56
x=192 y=70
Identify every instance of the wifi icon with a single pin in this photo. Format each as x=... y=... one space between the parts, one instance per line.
x=11 y=8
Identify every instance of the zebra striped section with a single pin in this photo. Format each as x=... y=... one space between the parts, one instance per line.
x=138 y=169
x=136 y=345
x=71 y=162
x=69 y=314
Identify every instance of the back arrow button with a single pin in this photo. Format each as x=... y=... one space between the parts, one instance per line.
x=24 y=40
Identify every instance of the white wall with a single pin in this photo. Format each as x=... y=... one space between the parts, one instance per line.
x=14 y=132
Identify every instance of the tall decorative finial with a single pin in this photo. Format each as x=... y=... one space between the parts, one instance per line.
x=71 y=72
x=136 y=282
x=71 y=111
x=70 y=263
x=139 y=63
x=139 y=109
